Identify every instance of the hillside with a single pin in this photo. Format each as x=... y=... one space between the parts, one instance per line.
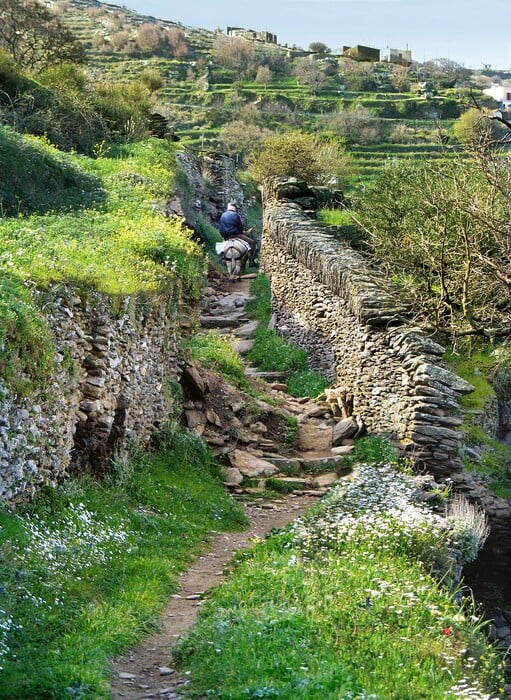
x=218 y=92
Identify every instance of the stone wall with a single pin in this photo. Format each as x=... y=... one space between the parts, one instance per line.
x=116 y=359
x=327 y=300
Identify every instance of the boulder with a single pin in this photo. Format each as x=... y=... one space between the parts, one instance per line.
x=251 y=466
x=314 y=436
x=232 y=476
x=343 y=430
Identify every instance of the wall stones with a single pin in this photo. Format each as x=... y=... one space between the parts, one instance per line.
x=327 y=300
x=108 y=389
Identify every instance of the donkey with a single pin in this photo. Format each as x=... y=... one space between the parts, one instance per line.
x=235 y=253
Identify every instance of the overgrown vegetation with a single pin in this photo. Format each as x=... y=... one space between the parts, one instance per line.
x=107 y=237
x=215 y=352
x=483 y=454
x=273 y=353
x=345 y=602
x=87 y=568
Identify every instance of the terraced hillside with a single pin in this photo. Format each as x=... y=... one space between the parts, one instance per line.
x=199 y=95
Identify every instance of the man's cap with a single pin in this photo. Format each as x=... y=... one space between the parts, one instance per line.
x=232 y=206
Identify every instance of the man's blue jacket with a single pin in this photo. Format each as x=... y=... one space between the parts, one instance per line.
x=230 y=224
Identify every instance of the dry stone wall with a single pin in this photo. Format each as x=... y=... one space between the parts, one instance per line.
x=327 y=300
x=116 y=359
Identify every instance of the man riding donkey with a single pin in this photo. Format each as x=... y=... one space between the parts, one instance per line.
x=231 y=226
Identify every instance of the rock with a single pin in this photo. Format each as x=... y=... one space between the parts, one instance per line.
x=124 y=676
x=344 y=430
x=324 y=480
x=166 y=671
x=232 y=476
x=241 y=345
x=343 y=449
x=278 y=386
x=213 y=418
x=192 y=382
x=251 y=466
x=195 y=419
x=314 y=436
x=246 y=330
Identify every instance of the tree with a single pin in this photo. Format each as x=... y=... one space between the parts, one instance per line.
x=441 y=230
x=150 y=38
x=241 y=138
x=235 y=53
x=304 y=156
x=473 y=128
x=178 y=46
x=263 y=75
x=310 y=73
x=319 y=47
x=356 y=125
x=35 y=36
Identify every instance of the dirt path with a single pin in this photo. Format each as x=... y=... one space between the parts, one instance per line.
x=147 y=672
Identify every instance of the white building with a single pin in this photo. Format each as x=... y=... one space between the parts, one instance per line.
x=501 y=94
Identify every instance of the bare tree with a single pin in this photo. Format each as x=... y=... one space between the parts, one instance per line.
x=35 y=36
x=310 y=73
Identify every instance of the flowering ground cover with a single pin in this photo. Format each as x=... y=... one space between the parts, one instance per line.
x=85 y=571
x=355 y=600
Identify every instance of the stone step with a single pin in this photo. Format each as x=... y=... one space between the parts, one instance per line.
x=251 y=372
x=305 y=463
x=303 y=481
x=232 y=321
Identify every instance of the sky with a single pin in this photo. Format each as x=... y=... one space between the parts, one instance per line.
x=475 y=33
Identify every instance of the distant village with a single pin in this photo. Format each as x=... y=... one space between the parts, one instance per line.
x=402 y=57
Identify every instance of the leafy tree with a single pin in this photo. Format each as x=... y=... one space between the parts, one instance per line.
x=441 y=230
x=473 y=128
x=35 y=36
x=318 y=47
x=152 y=79
x=304 y=156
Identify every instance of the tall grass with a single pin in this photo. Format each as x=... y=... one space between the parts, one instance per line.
x=86 y=570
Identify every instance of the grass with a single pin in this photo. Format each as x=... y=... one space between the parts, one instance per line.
x=86 y=570
x=492 y=463
x=107 y=237
x=37 y=178
x=351 y=601
x=273 y=353
x=215 y=352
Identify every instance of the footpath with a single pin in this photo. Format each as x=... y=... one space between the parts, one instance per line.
x=147 y=671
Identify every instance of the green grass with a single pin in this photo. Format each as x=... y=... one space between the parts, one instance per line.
x=86 y=570
x=107 y=236
x=35 y=177
x=215 y=352
x=306 y=383
x=273 y=353
x=343 y=604
x=493 y=463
